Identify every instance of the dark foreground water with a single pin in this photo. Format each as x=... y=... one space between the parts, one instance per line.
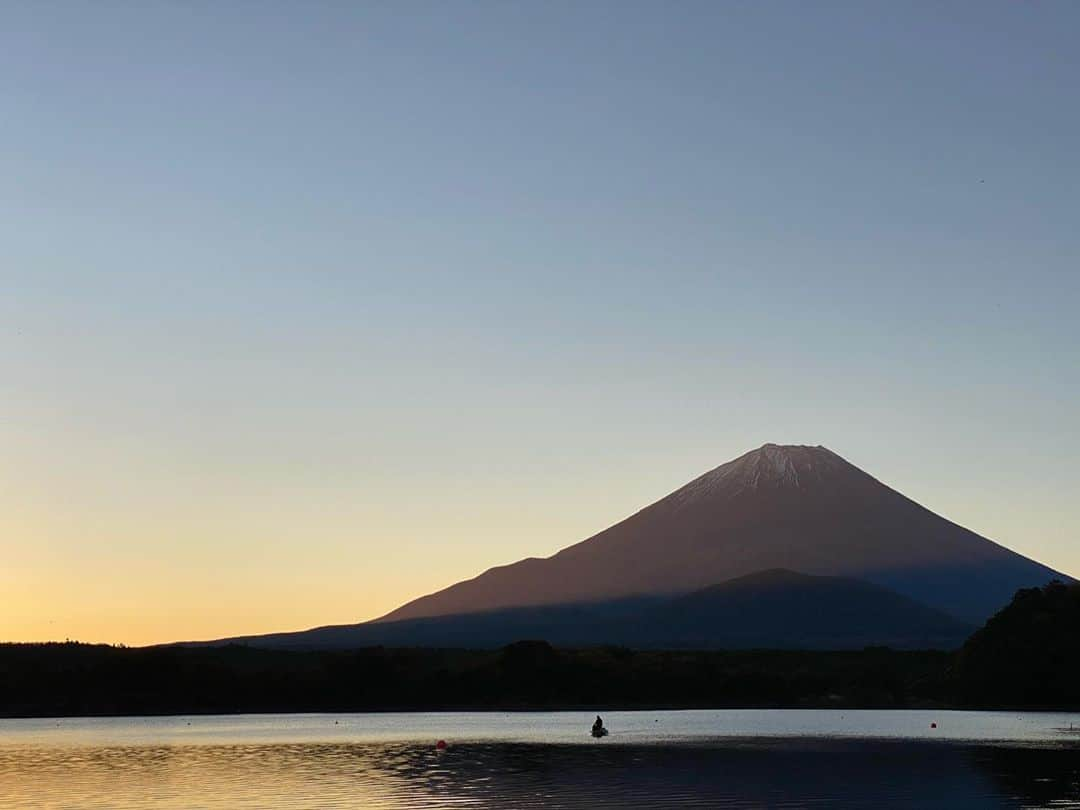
x=651 y=759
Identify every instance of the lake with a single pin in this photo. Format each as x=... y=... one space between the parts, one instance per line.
x=731 y=758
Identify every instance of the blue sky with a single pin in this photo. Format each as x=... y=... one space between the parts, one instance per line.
x=350 y=301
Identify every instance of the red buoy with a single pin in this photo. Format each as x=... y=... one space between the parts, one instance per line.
x=440 y=745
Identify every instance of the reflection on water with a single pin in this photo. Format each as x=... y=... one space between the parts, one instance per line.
x=777 y=773
x=733 y=759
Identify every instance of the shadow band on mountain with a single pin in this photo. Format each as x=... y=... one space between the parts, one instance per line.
x=775 y=609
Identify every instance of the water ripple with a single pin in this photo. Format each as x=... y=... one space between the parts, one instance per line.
x=271 y=772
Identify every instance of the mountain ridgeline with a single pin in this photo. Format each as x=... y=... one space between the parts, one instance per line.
x=786 y=547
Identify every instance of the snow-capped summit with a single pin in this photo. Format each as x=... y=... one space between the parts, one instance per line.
x=770 y=466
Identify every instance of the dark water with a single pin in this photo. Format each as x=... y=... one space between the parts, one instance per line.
x=526 y=761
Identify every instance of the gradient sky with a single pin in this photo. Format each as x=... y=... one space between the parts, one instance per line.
x=310 y=308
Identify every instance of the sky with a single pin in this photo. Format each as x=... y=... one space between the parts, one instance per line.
x=311 y=308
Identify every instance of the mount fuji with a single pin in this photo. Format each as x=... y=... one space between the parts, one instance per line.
x=792 y=507
x=786 y=546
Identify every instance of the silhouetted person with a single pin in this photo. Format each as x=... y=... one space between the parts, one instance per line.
x=598 y=729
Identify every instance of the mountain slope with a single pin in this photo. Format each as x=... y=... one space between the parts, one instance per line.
x=774 y=609
x=793 y=507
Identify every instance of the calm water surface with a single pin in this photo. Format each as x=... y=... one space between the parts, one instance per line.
x=651 y=759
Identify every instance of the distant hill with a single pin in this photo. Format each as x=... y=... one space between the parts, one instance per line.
x=772 y=609
x=800 y=508
x=782 y=609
